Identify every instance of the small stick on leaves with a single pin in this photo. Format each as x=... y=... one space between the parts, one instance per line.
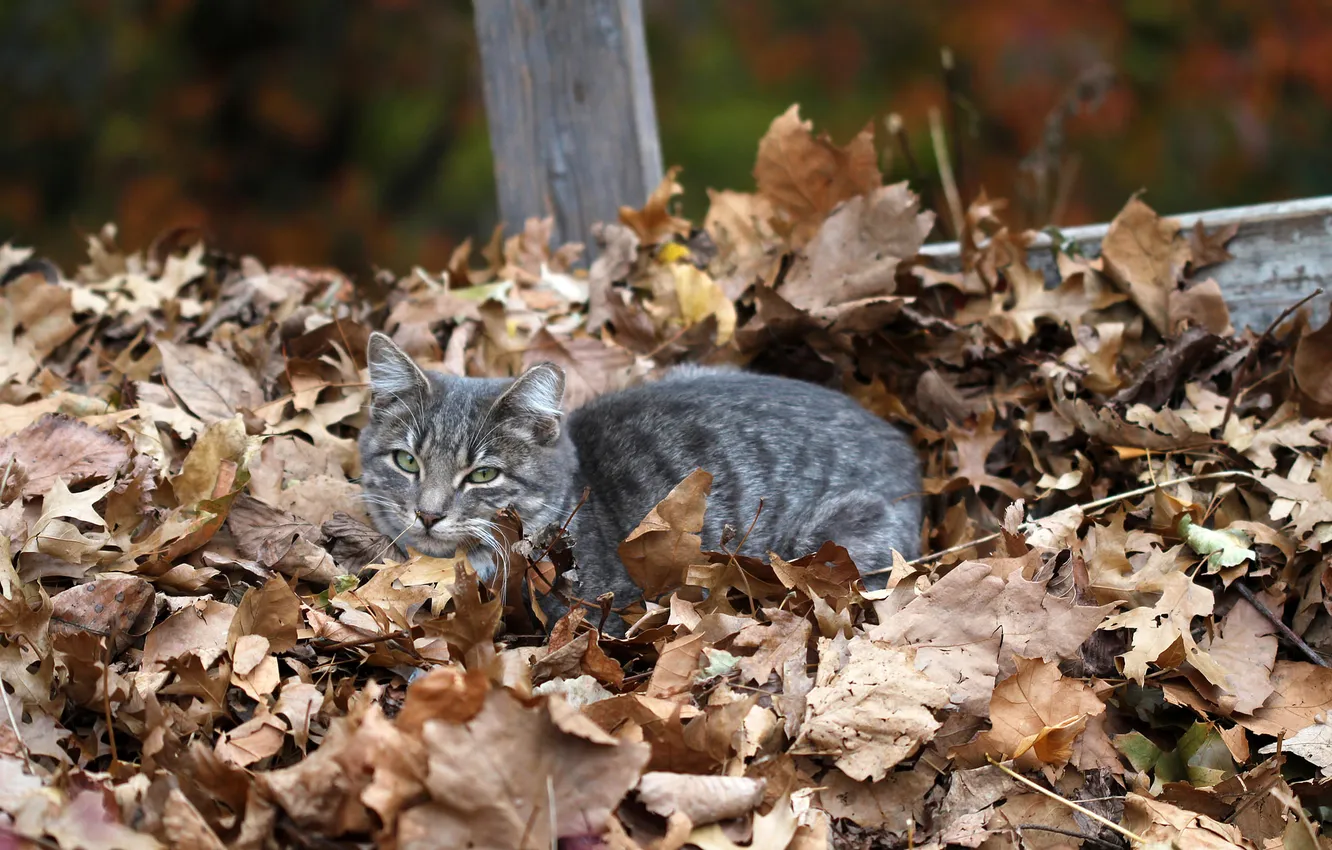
x=1105 y=822
x=1282 y=628
x=1085 y=508
x=1243 y=374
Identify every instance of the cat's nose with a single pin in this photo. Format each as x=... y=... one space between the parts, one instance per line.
x=428 y=518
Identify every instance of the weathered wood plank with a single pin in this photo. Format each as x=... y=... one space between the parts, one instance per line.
x=568 y=98
x=1283 y=252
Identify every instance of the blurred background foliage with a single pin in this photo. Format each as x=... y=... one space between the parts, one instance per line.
x=351 y=132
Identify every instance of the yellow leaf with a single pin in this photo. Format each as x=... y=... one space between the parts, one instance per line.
x=700 y=297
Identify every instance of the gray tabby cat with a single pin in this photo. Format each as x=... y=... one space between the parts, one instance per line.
x=442 y=454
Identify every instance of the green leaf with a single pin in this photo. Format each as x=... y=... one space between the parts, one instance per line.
x=1207 y=760
x=1223 y=548
x=714 y=663
x=1138 y=749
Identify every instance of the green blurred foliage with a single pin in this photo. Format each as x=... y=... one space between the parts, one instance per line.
x=352 y=132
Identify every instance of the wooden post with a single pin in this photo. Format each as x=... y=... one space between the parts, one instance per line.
x=1282 y=252
x=569 y=102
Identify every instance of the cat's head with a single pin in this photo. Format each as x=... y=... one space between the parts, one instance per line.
x=443 y=454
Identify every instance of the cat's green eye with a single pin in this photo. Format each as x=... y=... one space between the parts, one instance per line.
x=406 y=461
x=483 y=475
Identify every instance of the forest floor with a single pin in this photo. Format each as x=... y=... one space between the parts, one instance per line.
x=1118 y=633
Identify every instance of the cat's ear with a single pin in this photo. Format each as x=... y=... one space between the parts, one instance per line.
x=533 y=402
x=392 y=370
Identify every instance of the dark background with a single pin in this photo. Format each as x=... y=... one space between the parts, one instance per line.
x=352 y=132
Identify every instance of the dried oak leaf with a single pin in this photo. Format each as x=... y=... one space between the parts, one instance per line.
x=213 y=386
x=504 y=778
x=1146 y=255
x=1208 y=249
x=1200 y=306
x=974 y=445
x=806 y=176
x=1161 y=824
x=1167 y=623
x=657 y=552
x=654 y=222
x=870 y=707
x=782 y=640
x=970 y=624
x=857 y=250
x=1066 y=304
x=1035 y=715
x=57 y=446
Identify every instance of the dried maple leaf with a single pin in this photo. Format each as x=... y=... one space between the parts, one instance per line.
x=970 y=624
x=1035 y=715
x=1146 y=255
x=806 y=176
x=60 y=447
x=521 y=778
x=857 y=250
x=870 y=707
x=666 y=542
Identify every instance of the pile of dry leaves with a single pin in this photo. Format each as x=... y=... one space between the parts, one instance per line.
x=204 y=646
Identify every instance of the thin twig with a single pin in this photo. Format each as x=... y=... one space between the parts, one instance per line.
x=1106 y=822
x=1309 y=651
x=939 y=138
x=348 y=644
x=953 y=94
x=896 y=129
x=1085 y=508
x=1071 y=833
x=106 y=703
x=8 y=467
x=13 y=724
x=1243 y=374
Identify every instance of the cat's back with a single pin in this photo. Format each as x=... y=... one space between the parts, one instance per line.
x=721 y=399
x=784 y=441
